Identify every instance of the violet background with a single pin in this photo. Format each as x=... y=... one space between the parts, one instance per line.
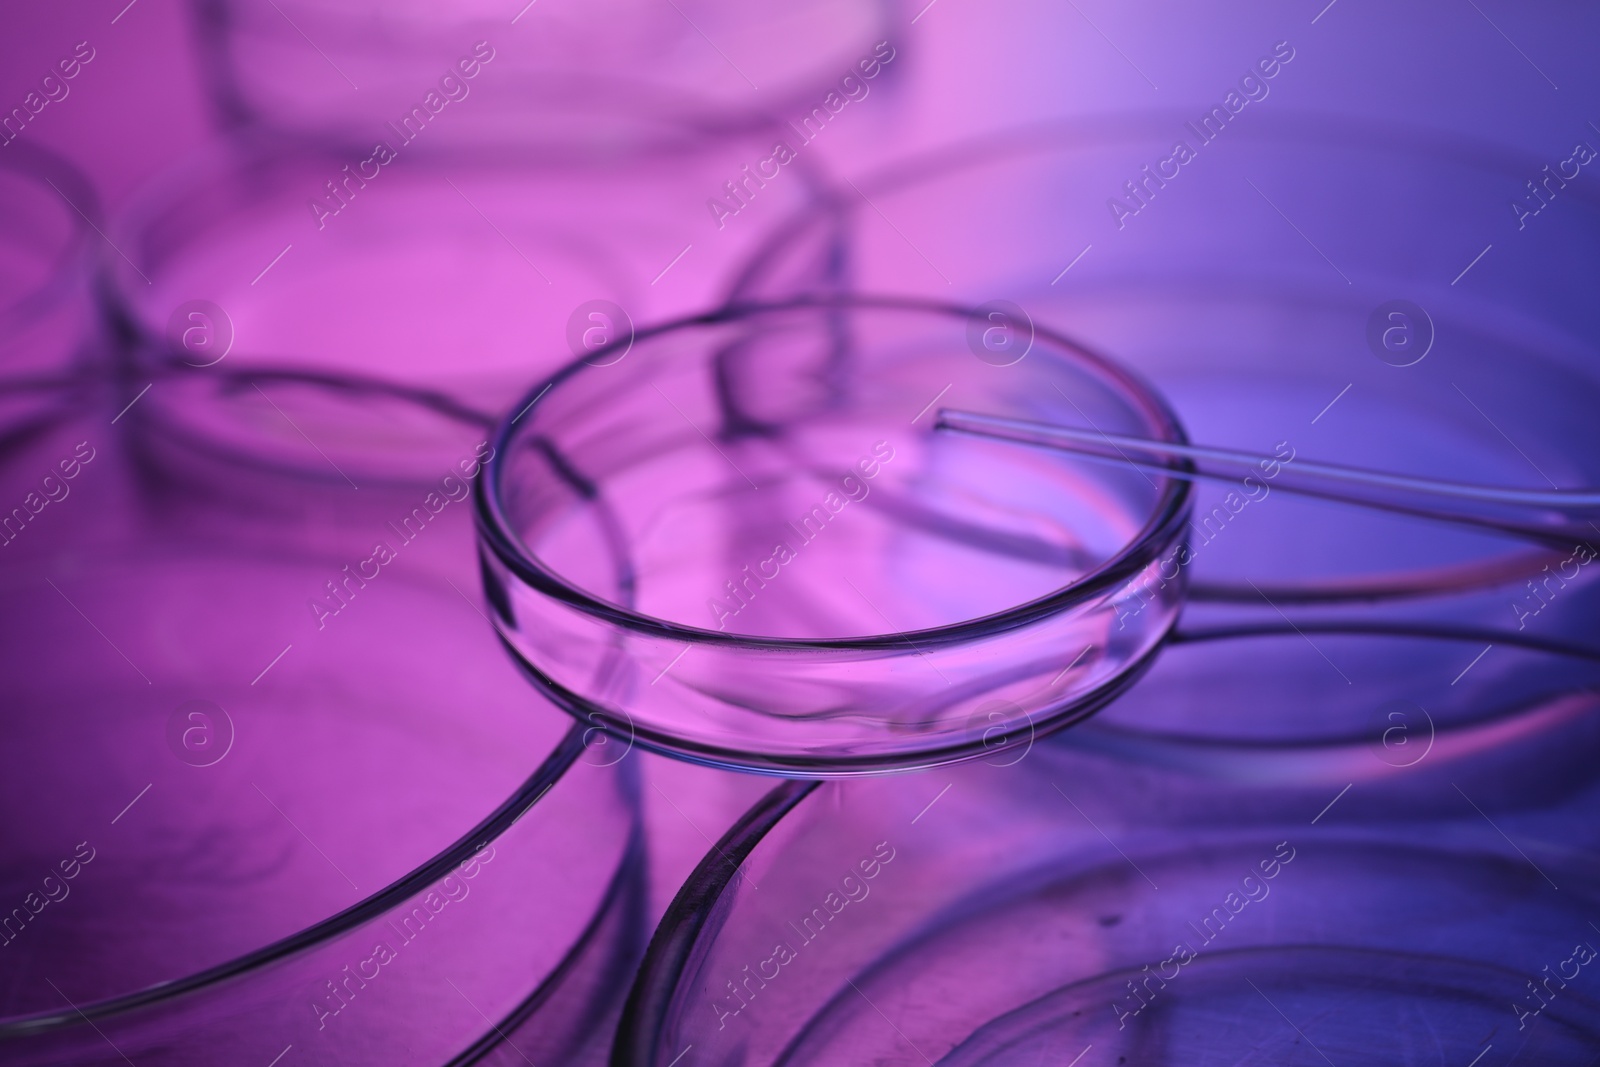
x=963 y=68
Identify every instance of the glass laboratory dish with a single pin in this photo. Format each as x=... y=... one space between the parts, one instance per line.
x=247 y=824
x=1257 y=285
x=339 y=388
x=1061 y=906
x=617 y=77
x=283 y=305
x=739 y=541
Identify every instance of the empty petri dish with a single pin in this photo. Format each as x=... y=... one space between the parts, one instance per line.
x=746 y=545
x=1453 y=416
x=429 y=281
x=1052 y=908
x=1380 y=339
x=621 y=75
x=268 y=823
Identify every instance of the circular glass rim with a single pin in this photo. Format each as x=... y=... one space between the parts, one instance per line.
x=697 y=910
x=674 y=118
x=203 y=442
x=249 y=167
x=700 y=909
x=1166 y=519
x=546 y=776
x=810 y=767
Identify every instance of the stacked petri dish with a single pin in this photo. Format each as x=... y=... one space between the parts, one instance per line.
x=622 y=75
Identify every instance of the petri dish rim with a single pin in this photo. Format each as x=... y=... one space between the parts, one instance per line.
x=665 y=117
x=701 y=908
x=805 y=767
x=1164 y=524
x=222 y=385
x=697 y=912
x=545 y=777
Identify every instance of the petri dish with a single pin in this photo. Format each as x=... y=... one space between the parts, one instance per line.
x=1061 y=906
x=1263 y=337
x=389 y=325
x=267 y=826
x=745 y=545
x=619 y=75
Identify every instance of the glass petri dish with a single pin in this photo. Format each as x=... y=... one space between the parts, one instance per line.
x=265 y=826
x=48 y=213
x=1024 y=913
x=1263 y=336
x=739 y=545
x=364 y=476
x=616 y=76
x=369 y=340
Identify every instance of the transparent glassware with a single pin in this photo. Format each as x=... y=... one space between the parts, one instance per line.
x=1253 y=284
x=1022 y=910
x=334 y=382
x=1556 y=518
x=443 y=280
x=740 y=541
x=616 y=74
x=268 y=826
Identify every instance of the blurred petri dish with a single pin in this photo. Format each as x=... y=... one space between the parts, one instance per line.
x=357 y=473
x=620 y=76
x=267 y=825
x=1263 y=336
x=48 y=215
x=748 y=547
x=1456 y=415
x=445 y=281
x=318 y=429
x=1025 y=913
x=266 y=456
